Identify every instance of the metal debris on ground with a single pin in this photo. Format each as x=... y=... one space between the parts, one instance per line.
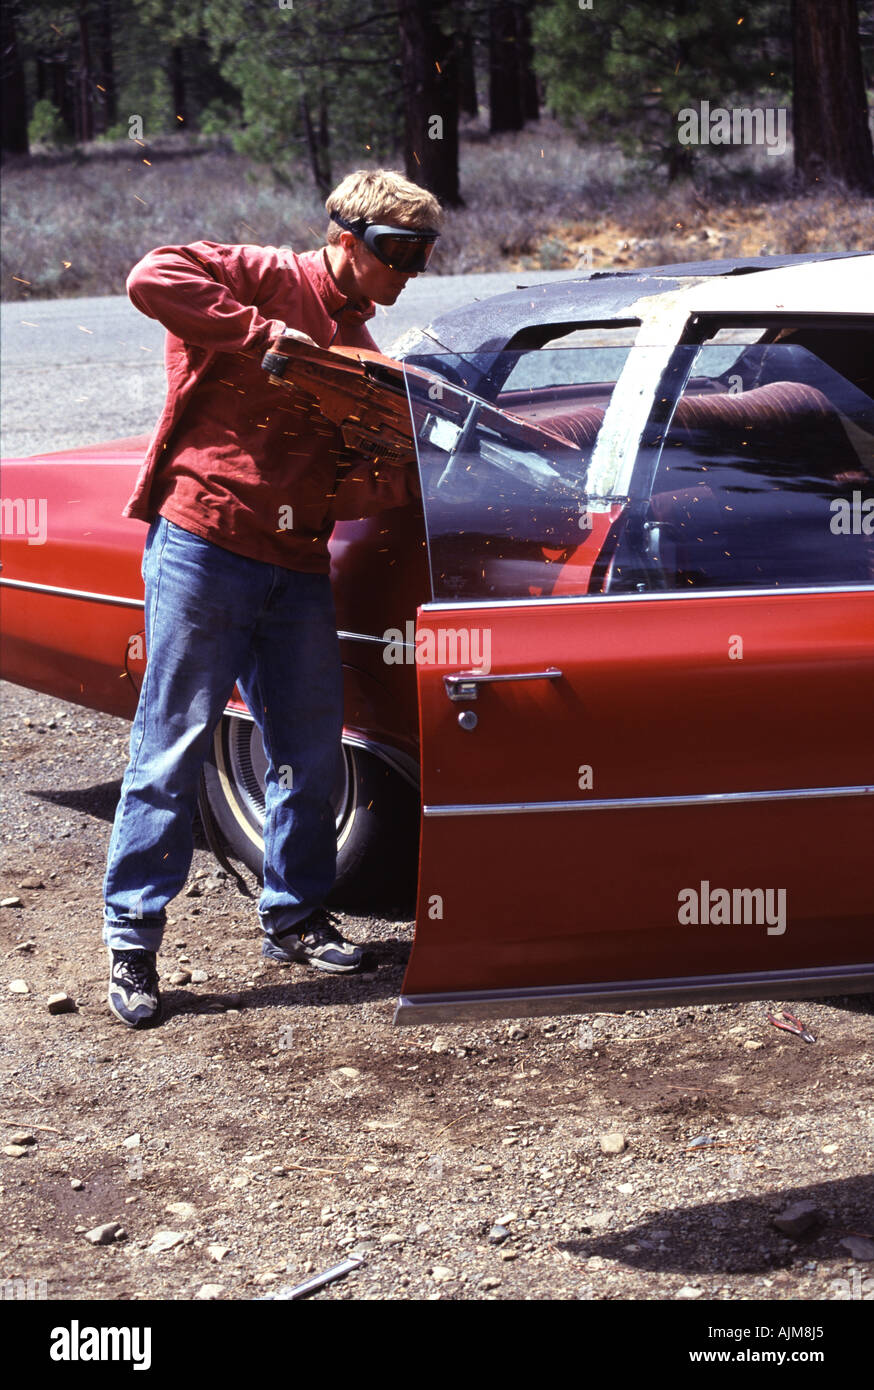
x=791 y=1024
x=318 y=1281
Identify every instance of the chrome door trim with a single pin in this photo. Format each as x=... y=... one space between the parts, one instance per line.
x=614 y=996
x=663 y=596
x=642 y=803
x=58 y=592
x=381 y=641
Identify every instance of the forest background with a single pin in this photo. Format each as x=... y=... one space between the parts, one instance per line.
x=550 y=129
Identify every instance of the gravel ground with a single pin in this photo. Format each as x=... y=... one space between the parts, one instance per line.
x=277 y=1123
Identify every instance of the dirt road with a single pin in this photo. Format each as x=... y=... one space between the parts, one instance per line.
x=277 y=1123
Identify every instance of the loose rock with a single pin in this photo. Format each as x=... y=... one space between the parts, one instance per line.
x=184 y=1210
x=199 y=977
x=105 y=1234
x=859 y=1247
x=18 y=987
x=163 y=1241
x=210 y=1291
x=15 y=1150
x=797 y=1219
x=613 y=1143
x=61 y=1003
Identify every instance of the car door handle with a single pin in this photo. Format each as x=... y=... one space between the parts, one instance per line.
x=464 y=685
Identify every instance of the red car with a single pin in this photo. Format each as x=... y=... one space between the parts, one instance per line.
x=618 y=668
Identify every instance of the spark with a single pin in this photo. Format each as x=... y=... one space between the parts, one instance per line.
x=148 y=161
x=417 y=159
x=180 y=118
x=85 y=330
x=141 y=200
x=438 y=67
x=741 y=20
x=541 y=154
x=21 y=279
x=66 y=264
x=99 y=88
x=27 y=323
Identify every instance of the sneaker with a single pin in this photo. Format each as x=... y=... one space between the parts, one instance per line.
x=133 y=987
x=315 y=941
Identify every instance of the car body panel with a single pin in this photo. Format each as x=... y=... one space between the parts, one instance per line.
x=694 y=763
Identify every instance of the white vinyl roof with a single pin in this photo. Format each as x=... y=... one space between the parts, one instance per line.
x=844 y=286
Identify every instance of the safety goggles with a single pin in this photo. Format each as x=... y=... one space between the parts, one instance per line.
x=401 y=248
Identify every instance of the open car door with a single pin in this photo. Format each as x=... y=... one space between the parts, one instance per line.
x=647 y=741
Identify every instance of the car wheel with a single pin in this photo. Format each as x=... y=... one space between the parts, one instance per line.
x=376 y=813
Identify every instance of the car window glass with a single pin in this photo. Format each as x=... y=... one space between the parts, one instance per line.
x=504 y=479
x=765 y=474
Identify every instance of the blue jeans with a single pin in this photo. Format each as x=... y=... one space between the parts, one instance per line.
x=214 y=619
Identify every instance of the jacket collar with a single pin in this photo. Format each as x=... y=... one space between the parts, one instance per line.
x=316 y=268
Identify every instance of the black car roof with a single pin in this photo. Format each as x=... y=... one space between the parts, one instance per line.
x=488 y=326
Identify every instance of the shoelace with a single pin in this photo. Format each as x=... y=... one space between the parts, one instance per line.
x=324 y=923
x=137 y=969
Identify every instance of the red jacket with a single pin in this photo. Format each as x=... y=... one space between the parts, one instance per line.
x=234 y=458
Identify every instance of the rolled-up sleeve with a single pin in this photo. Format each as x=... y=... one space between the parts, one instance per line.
x=205 y=294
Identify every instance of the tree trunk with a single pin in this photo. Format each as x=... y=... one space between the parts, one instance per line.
x=178 y=85
x=506 y=104
x=829 y=107
x=62 y=94
x=325 y=142
x=318 y=143
x=13 y=95
x=430 y=78
x=527 y=79
x=109 y=104
x=84 y=83
x=467 y=100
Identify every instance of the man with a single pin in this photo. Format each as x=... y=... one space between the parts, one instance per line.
x=241 y=486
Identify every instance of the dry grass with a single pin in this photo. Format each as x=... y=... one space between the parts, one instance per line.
x=536 y=200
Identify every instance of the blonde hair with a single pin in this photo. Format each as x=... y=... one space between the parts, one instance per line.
x=383 y=195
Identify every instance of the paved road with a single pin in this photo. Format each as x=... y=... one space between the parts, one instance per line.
x=75 y=371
